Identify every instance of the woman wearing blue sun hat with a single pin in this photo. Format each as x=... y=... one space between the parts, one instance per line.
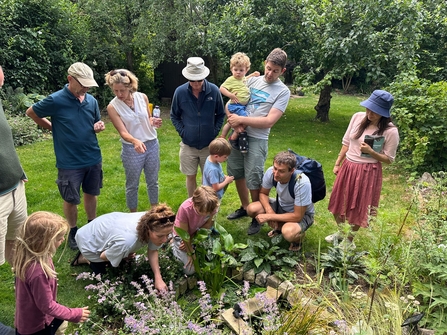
x=370 y=140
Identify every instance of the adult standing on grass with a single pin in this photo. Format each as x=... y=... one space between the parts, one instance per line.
x=357 y=187
x=13 y=207
x=287 y=215
x=130 y=114
x=113 y=237
x=269 y=98
x=75 y=120
x=197 y=113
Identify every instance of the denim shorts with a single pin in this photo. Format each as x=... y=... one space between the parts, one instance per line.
x=69 y=182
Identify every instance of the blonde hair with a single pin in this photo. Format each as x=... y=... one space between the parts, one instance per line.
x=36 y=242
x=240 y=59
x=122 y=76
x=205 y=199
x=150 y=221
x=220 y=146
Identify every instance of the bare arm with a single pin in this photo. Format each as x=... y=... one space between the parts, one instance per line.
x=119 y=125
x=256 y=122
x=341 y=157
x=152 y=255
x=41 y=121
x=295 y=216
x=228 y=94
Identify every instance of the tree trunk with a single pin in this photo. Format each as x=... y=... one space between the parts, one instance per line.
x=324 y=104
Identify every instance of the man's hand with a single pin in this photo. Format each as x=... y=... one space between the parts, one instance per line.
x=99 y=126
x=234 y=120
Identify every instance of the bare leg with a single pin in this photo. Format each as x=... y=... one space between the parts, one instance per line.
x=191 y=184
x=90 y=202
x=242 y=191
x=71 y=213
x=254 y=195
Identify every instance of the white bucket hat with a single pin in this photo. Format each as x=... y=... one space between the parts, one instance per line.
x=195 y=69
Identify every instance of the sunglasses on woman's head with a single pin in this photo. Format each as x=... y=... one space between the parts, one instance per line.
x=167 y=219
x=122 y=73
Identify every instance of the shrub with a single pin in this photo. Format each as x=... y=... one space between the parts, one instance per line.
x=24 y=130
x=420 y=113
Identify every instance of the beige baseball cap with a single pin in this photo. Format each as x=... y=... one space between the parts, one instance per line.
x=83 y=73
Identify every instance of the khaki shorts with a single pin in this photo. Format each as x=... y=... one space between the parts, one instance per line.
x=13 y=213
x=191 y=158
x=250 y=165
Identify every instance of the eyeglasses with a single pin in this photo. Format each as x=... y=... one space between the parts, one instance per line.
x=196 y=81
x=122 y=73
x=167 y=219
x=80 y=83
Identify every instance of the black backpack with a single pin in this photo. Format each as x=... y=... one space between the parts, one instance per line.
x=314 y=171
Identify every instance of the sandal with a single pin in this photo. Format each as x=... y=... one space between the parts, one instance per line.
x=295 y=246
x=274 y=232
x=75 y=261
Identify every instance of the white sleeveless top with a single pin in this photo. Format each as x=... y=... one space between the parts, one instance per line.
x=137 y=122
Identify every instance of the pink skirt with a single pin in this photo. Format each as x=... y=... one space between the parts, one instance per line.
x=356 y=192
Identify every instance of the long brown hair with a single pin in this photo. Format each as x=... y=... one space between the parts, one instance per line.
x=383 y=124
x=36 y=242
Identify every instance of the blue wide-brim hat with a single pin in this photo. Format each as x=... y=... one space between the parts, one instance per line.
x=379 y=102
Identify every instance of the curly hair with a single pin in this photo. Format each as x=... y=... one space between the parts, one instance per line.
x=122 y=76
x=205 y=199
x=150 y=221
x=240 y=59
x=36 y=242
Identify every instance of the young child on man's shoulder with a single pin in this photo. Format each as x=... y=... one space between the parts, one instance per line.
x=213 y=175
x=235 y=88
x=37 y=310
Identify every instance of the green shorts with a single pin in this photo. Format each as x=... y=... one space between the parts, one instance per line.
x=250 y=165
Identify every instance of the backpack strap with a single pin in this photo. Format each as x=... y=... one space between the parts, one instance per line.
x=291 y=186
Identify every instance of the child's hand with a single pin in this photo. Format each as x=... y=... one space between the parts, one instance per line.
x=229 y=179
x=234 y=98
x=256 y=74
x=85 y=314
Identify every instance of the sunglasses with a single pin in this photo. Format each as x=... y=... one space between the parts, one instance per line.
x=167 y=219
x=122 y=73
x=80 y=83
x=196 y=81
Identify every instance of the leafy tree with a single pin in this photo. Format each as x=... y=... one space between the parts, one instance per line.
x=39 y=40
x=347 y=38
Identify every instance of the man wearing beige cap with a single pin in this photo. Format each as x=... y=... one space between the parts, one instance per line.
x=74 y=121
x=197 y=113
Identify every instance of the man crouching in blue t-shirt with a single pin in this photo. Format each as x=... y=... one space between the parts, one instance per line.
x=287 y=215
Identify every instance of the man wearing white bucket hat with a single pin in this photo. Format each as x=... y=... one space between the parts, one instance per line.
x=197 y=113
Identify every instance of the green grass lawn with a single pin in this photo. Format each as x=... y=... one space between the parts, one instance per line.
x=296 y=130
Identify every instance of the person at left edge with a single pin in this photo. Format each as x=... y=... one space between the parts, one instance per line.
x=74 y=121
x=197 y=113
